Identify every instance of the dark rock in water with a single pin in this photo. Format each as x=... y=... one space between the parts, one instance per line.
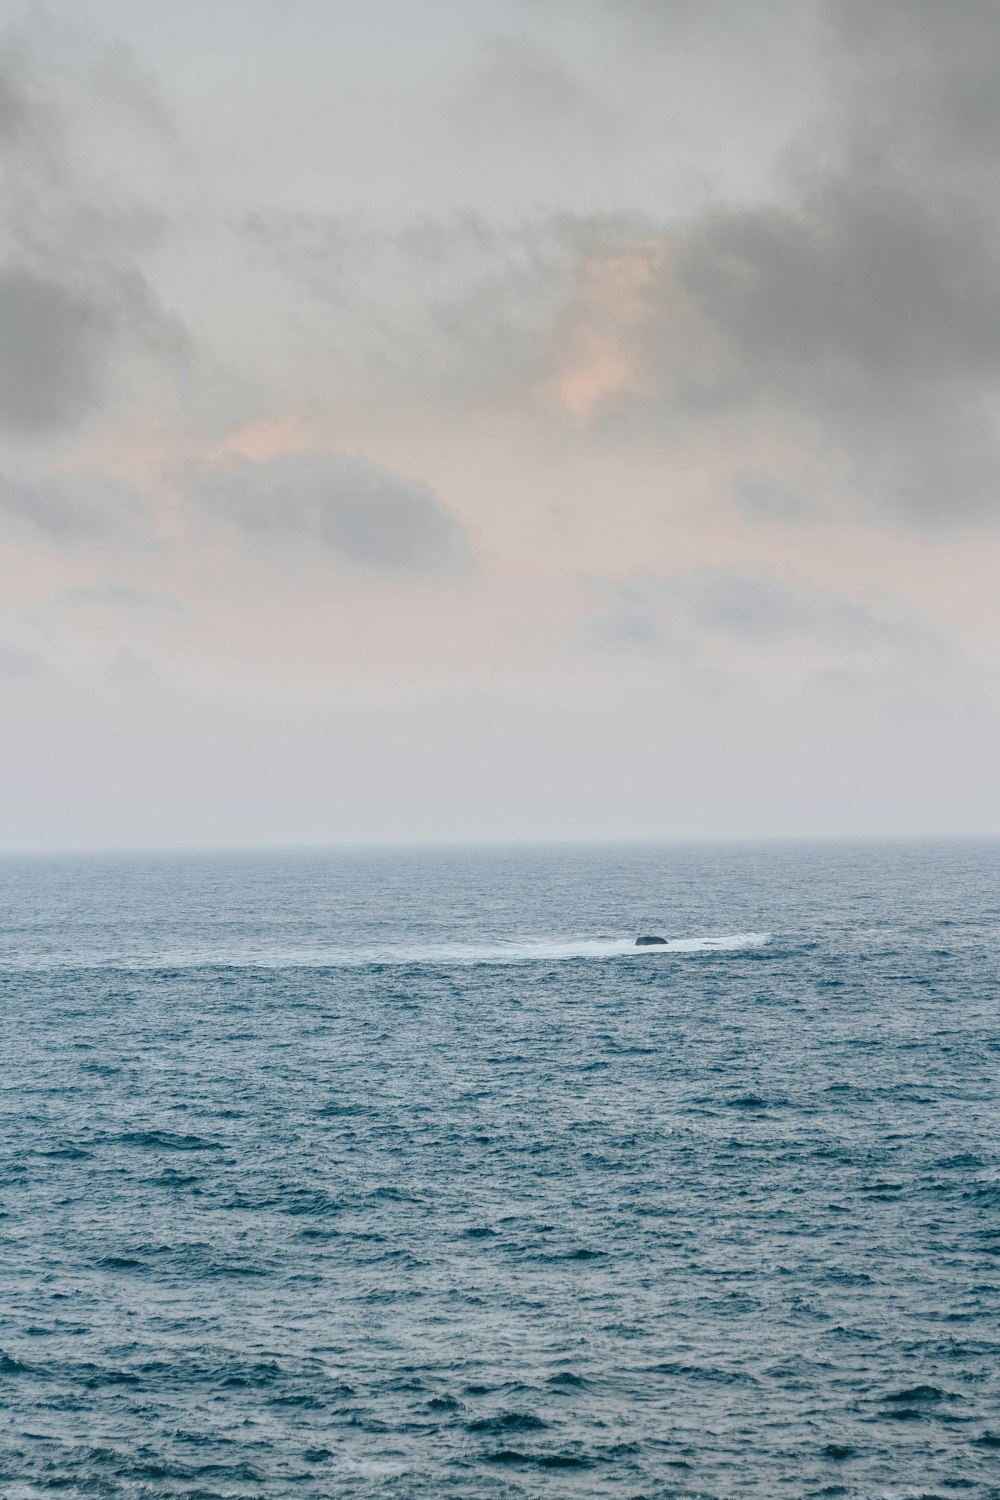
x=649 y=942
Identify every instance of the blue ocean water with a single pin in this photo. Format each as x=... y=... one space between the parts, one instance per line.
x=402 y=1174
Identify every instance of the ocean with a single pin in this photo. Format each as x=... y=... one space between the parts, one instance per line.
x=404 y=1173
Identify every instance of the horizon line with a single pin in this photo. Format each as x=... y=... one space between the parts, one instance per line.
x=469 y=844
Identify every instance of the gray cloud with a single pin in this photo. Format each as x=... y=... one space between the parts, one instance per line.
x=33 y=144
x=628 y=615
x=759 y=610
x=931 y=76
x=518 y=88
x=860 y=311
x=870 y=315
x=53 y=346
x=761 y=498
x=53 y=339
x=73 y=299
x=16 y=663
x=860 y=281
x=68 y=514
x=455 y=303
x=855 y=311
x=133 y=676
x=348 y=510
x=655 y=614
x=15 y=111
x=121 y=596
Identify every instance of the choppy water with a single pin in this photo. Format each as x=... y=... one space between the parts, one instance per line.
x=400 y=1174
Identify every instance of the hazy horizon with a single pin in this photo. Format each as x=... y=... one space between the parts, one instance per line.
x=487 y=846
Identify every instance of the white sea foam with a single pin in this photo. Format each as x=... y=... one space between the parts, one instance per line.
x=400 y=955
x=555 y=950
x=527 y=950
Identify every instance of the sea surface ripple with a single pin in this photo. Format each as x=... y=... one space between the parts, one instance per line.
x=338 y=1174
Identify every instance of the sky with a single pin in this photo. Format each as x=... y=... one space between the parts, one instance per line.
x=498 y=419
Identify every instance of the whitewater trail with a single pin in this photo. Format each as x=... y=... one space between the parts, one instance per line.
x=402 y=955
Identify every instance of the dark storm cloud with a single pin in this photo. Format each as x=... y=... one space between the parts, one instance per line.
x=315 y=505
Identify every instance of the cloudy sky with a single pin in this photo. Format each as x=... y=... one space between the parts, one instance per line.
x=487 y=419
